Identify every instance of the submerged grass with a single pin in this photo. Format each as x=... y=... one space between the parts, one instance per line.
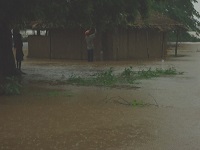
x=128 y=76
x=11 y=86
x=104 y=78
x=136 y=103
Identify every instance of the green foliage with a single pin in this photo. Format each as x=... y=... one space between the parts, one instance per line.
x=107 y=78
x=144 y=7
x=147 y=74
x=128 y=75
x=11 y=86
x=182 y=11
x=138 y=103
x=74 y=13
x=100 y=13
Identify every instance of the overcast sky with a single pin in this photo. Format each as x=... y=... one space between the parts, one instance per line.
x=197 y=6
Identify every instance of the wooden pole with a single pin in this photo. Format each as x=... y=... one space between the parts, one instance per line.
x=50 y=50
x=163 y=42
x=147 y=38
x=176 y=48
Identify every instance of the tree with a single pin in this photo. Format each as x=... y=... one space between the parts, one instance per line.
x=182 y=11
x=16 y=13
x=102 y=14
x=62 y=13
x=7 y=63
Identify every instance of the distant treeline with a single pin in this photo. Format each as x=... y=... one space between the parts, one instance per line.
x=183 y=37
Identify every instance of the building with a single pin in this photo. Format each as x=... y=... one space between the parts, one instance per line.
x=144 y=39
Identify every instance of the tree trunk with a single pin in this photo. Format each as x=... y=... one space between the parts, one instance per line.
x=7 y=62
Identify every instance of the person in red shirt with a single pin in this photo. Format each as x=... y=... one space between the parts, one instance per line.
x=89 y=37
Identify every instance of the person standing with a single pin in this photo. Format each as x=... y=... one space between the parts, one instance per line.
x=18 y=44
x=89 y=37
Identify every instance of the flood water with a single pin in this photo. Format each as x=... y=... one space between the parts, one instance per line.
x=53 y=116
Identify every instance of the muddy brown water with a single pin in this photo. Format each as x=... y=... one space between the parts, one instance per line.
x=64 y=117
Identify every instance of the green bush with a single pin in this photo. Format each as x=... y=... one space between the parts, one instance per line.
x=128 y=75
x=11 y=86
x=107 y=78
